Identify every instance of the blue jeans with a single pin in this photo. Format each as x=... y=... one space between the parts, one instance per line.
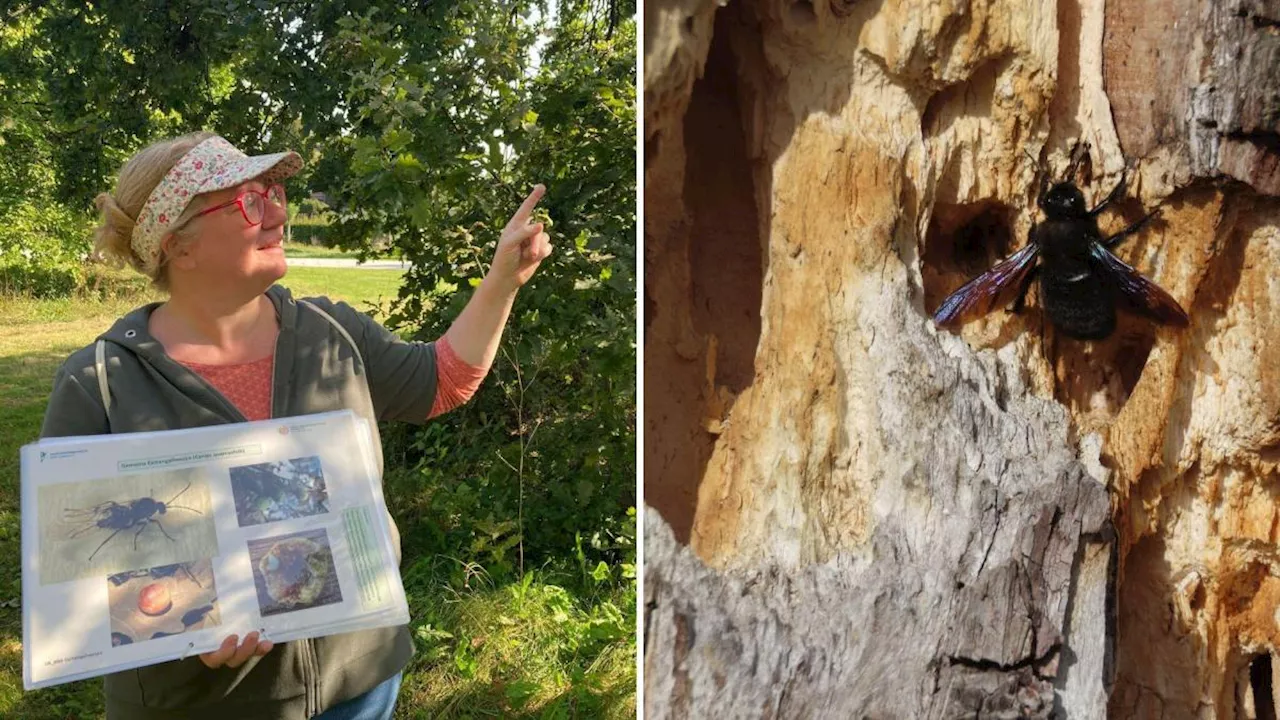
x=377 y=704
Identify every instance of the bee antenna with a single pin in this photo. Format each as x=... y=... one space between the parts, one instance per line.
x=1043 y=185
x=175 y=497
x=1039 y=165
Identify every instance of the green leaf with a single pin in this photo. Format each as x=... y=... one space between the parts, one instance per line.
x=420 y=214
x=368 y=156
x=520 y=691
x=601 y=573
x=396 y=139
x=407 y=167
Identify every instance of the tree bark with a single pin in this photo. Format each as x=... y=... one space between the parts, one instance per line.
x=854 y=513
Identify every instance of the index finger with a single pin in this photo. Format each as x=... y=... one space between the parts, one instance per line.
x=526 y=207
x=247 y=649
x=218 y=658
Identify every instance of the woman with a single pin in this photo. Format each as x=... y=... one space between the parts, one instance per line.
x=205 y=222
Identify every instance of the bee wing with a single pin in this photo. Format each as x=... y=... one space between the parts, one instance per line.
x=982 y=294
x=80 y=514
x=1142 y=295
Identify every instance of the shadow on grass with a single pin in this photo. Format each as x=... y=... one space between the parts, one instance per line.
x=75 y=700
x=492 y=700
x=25 y=381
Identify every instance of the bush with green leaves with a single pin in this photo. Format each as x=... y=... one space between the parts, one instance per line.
x=44 y=249
x=450 y=135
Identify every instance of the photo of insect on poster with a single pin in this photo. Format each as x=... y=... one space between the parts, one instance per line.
x=96 y=528
x=161 y=601
x=294 y=572
x=284 y=490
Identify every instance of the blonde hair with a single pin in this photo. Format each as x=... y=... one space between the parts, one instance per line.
x=112 y=240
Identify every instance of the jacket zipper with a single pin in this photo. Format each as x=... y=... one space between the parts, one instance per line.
x=310 y=660
x=271 y=397
x=307 y=652
x=304 y=655
x=315 y=675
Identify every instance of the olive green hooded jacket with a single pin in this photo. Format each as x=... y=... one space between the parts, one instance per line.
x=328 y=357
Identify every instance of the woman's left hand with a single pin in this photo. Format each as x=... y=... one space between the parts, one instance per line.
x=522 y=246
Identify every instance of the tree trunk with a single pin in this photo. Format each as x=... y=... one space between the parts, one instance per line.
x=859 y=514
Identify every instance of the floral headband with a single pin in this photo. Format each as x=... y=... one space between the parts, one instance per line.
x=214 y=164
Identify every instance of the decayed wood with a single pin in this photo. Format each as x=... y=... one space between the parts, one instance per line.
x=977 y=595
x=875 y=518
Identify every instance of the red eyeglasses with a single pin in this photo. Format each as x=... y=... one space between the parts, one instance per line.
x=253 y=203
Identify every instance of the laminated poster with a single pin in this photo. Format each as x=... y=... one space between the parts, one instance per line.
x=142 y=548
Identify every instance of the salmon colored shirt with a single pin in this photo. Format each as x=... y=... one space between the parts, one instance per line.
x=248 y=385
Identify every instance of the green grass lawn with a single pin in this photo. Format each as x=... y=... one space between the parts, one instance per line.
x=485 y=651
x=367 y=290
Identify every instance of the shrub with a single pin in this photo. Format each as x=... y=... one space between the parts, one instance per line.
x=44 y=249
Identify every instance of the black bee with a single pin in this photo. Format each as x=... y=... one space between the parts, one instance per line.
x=1081 y=282
x=137 y=515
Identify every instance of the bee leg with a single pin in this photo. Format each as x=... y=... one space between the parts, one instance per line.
x=157 y=522
x=1021 y=302
x=104 y=542
x=187 y=570
x=1044 y=179
x=1111 y=196
x=83 y=530
x=1116 y=239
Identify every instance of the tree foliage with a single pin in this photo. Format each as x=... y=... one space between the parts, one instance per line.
x=425 y=125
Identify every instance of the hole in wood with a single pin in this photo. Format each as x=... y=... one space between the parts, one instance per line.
x=1260 y=680
x=803 y=12
x=842 y=8
x=962 y=242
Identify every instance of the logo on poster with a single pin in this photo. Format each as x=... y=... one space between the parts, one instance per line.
x=60 y=454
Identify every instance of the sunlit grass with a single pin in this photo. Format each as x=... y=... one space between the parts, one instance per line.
x=530 y=648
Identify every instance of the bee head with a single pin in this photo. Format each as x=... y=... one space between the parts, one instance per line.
x=1063 y=200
